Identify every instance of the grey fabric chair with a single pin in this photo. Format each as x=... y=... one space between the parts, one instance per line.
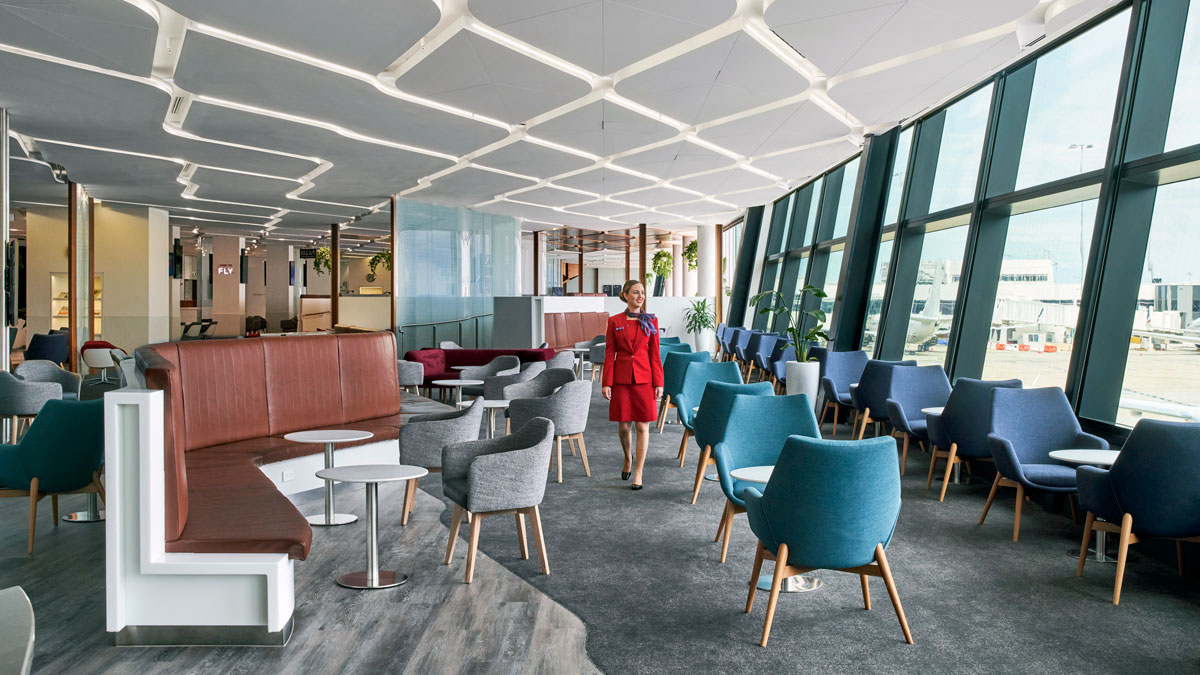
x=543 y=384
x=48 y=371
x=22 y=400
x=129 y=376
x=422 y=439
x=448 y=344
x=596 y=358
x=588 y=344
x=493 y=387
x=411 y=374
x=501 y=365
x=568 y=409
x=498 y=476
x=562 y=360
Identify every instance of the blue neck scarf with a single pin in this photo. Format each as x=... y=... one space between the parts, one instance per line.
x=644 y=320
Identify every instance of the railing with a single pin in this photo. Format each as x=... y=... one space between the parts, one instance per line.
x=402 y=333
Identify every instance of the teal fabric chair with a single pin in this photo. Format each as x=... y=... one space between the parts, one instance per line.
x=758 y=426
x=61 y=453
x=712 y=419
x=663 y=350
x=670 y=340
x=828 y=505
x=695 y=379
x=674 y=366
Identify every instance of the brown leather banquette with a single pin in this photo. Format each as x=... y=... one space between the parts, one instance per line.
x=227 y=405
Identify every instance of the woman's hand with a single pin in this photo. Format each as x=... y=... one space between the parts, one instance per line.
x=658 y=393
x=607 y=391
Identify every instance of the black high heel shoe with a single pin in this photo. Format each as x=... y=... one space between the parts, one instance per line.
x=635 y=486
x=626 y=474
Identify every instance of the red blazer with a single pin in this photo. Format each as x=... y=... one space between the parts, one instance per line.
x=631 y=356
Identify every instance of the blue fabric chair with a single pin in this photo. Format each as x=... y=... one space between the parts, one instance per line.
x=841 y=370
x=663 y=350
x=758 y=426
x=779 y=364
x=742 y=345
x=1026 y=425
x=670 y=340
x=1150 y=491
x=872 y=391
x=52 y=347
x=61 y=453
x=713 y=419
x=674 y=366
x=730 y=340
x=695 y=379
x=828 y=505
x=911 y=390
x=721 y=327
x=959 y=434
x=758 y=350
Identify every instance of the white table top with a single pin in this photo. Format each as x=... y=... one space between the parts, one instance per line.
x=935 y=410
x=328 y=436
x=462 y=367
x=753 y=474
x=458 y=383
x=1087 y=456
x=487 y=403
x=581 y=350
x=372 y=473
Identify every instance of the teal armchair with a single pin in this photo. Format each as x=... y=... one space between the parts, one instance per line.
x=695 y=379
x=675 y=363
x=61 y=453
x=758 y=426
x=828 y=505
x=712 y=419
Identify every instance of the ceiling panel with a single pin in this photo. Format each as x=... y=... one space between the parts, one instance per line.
x=532 y=159
x=606 y=209
x=468 y=186
x=603 y=128
x=657 y=196
x=778 y=129
x=603 y=35
x=106 y=33
x=750 y=198
x=367 y=35
x=31 y=181
x=543 y=214
x=675 y=159
x=730 y=75
x=225 y=70
x=549 y=196
x=603 y=181
x=697 y=208
x=723 y=181
x=476 y=74
x=798 y=165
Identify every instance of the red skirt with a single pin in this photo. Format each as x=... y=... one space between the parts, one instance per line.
x=632 y=403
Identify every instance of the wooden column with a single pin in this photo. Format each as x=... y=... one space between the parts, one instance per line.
x=91 y=269
x=628 y=245
x=581 y=267
x=335 y=263
x=395 y=266
x=537 y=263
x=642 y=244
x=72 y=272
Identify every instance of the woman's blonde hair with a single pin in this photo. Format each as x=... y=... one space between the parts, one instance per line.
x=628 y=285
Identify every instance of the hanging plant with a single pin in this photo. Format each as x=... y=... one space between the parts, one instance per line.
x=661 y=264
x=691 y=254
x=384 y=257
x=323 y=260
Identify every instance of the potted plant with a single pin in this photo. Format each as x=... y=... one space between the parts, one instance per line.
x=803 y=374
x=698 y=317
x=691 y=254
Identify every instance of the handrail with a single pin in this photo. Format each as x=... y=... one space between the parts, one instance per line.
x=435 y=324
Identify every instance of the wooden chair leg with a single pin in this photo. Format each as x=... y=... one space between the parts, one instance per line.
x=866 y=419
x=410 y=496
x=950 y=460
x=932 y=465
x=1087 y=538
x=683 y=446
x=866 y=589
x=558 y=457
x=991 y=496
x=754 y=572
x=521 y=540
x=836 y=409
x=776 y=583
x=587 y=470
x=728 y=533
x=99 y=486
x=54 y=508
x=535 y=518
x=1017 y=515
x=700 y=467
x=571 y=445
x=33 y=500
x=1074 y=512
x=824 y=409
x=662 y=412
x=881 y=559
x=721 y=525
x=1122 y=555
x=455 y=522
x=473 y=547
x=904 y=454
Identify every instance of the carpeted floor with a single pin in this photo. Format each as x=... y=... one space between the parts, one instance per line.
x=641 y=570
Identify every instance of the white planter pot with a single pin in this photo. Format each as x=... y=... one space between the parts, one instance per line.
x=803 y=378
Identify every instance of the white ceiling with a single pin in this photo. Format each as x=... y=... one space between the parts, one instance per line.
x=290 y=115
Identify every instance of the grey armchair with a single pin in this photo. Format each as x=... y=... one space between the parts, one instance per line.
x=48 y=371
x=22 y=400
x=562 y=360
x=596 y=358
x=422 y=439
x=411 y=374
x=494 y=387
x=501 y=365
x=543 y=384
x=568 y=409
x=448 y=344
x=498 y=476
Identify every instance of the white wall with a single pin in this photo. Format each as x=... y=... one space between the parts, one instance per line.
x=256 y=286
x=45 y=254
x=279 y=293
x=354 y=272
x=229 y=293
x=131 y=259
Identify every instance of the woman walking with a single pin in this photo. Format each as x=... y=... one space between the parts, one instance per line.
x=633 y=376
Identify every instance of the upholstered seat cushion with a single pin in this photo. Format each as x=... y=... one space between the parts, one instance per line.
x=1050 y=475
x=919 y=427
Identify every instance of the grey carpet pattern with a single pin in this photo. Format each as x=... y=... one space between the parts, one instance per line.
x=641 y=570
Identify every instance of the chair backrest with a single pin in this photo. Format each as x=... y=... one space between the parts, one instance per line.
x=675 y=364
x=818 y=354
x=968 y=414
x=779 y=363
x=65 y=445
x=48 y=371
x=831 y=502
x=567 y=408
x=596 y=353
x=758 y=426
x=52 y=347
x=743 y=338
x=410 y=373
x=876 y=384
x=543 y=384
x=663 y=350
x=720 y=331
x=845 y=368
x=761 y=346
x=731 y=337
x=130 y=377
x=715 y=402
x=1034 y=421
x=674 y=340
x=448 y=344
x=1154 y=478
x=561 y=360
x=916 y=388
x=19 y=397
x=696 y=378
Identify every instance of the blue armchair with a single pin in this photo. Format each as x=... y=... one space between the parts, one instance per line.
x=1153 y=483
x=61 y=453
x=779 y=364
x=665 y=349
x=1026 y=425
x=675 y=365
x=829 y=505
x=758 y=426
x=675 y=340
x=48 y=347
x=741 y=347
x=873 y=390
x=959 y=434
x=720 y=343
x=755 y=358
x=713 y=419
x=695 y=379
x=911 y=390
x=726 y=339
x=841 y=370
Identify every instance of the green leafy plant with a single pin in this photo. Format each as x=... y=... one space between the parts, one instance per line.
x=324 y=260
x=384 y=257
x=661 y=264
x=691 y=254
x=796 y=319
x=699 y=317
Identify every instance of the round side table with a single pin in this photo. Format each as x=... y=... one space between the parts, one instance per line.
x=1090 y=457
x=372 y=475
x=799 y=583
x=457 y=385
x=329 y=437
